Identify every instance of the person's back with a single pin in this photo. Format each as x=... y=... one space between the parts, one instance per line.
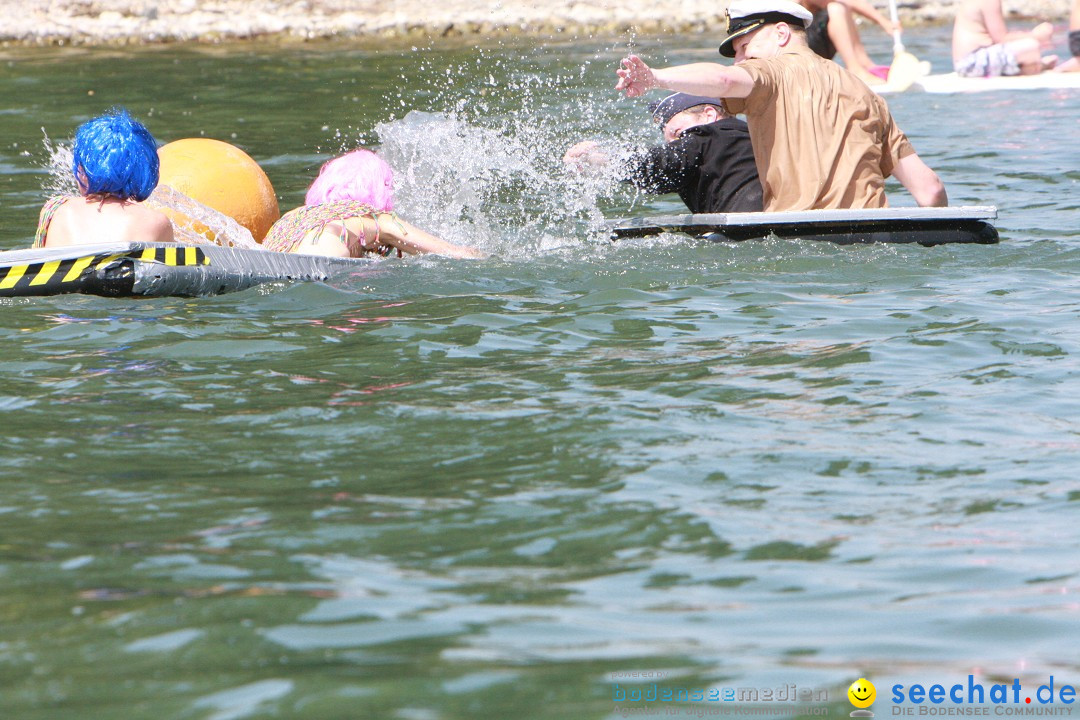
x=116 y=166
x=970 y=27
x=824 y=138
x=90 y=220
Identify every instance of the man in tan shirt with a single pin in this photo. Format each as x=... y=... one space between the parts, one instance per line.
x=822 y=139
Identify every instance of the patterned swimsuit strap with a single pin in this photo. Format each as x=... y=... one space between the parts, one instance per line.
x=45 y=218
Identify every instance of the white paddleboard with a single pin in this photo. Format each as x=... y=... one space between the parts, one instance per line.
x=952 y=83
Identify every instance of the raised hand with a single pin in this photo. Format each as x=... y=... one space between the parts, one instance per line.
x=635 y=77
x=585 y=153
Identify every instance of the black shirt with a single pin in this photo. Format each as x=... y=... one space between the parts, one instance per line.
x=711 y=167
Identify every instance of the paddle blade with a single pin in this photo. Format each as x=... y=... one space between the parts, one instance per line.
x=904 y=71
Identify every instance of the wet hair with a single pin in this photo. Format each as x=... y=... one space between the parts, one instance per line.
x=114 y=154
x=360 y=175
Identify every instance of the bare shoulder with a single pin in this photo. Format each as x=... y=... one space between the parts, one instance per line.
x=159 y=226
x=132 y=221
x=68 y=208
x=69 y=223
x=145 y=223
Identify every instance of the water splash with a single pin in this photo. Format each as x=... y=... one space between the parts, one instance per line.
x=226 y=231
x=60 y=179
x=474 y=184
x=483 y=165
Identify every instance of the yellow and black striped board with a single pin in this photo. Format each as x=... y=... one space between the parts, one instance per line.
x=156 y=269
x=110 y=272
x=174 y=255
x=51 y=277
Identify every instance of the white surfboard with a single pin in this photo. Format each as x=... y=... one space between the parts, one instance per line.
x=953 y=83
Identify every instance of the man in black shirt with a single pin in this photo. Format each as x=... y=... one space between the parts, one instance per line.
x=707 y=157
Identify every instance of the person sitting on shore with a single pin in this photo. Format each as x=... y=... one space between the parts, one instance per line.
x=832 y=32
x=706 y=158
x=822 y=139
x=1073 y=64
x=115 y=164
x=348 y=212
x=983 y=46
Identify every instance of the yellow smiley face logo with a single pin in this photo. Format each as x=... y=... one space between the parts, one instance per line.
x=862 y=693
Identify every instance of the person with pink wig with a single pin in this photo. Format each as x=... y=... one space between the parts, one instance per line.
x=349 y=212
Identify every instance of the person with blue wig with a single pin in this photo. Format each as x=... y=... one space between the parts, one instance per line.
x=115 y=164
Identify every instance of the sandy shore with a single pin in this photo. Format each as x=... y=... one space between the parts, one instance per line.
x=108 y=22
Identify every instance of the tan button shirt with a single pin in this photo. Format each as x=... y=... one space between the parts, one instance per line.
x=822 y=139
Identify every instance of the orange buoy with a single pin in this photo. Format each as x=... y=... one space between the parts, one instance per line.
x=223 y=177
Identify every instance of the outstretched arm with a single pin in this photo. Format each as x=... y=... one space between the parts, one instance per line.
x=586 y=154
x=364 y=233
x=868 y=11
x=1043 y=33
x=922 y=182
x=410 y=239
x=711 y=79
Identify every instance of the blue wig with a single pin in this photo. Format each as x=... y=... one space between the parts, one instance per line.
x=115 y=154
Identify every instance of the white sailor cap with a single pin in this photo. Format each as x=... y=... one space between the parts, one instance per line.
x=746 y=16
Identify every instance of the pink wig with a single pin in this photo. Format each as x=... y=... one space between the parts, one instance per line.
x=360 y=175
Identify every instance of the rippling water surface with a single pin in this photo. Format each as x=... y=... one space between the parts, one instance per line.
x=495 y=489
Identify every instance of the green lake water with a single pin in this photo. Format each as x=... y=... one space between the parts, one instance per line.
x=443 y=489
